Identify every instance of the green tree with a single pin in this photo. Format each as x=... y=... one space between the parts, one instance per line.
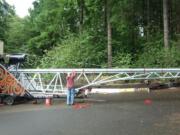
x=75 y=33
x=5 y=12
x=15 y=35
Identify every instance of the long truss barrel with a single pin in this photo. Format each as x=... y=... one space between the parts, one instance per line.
x=52 y=81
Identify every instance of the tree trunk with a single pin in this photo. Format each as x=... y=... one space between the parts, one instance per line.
x=109 y=36
x=148 y=19
x=105 y=16
x=166 y=27
x=177 y=20
x=81 y=14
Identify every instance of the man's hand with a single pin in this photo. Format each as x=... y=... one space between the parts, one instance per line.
x=73 y=73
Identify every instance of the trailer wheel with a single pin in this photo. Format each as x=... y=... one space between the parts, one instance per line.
x=1 y=100
x=9 y=100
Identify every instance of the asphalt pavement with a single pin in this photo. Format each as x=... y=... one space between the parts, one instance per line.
x=141 y=113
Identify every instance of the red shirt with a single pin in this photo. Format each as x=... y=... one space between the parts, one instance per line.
x=70 y=81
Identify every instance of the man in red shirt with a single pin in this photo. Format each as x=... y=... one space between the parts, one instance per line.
x=70 y=86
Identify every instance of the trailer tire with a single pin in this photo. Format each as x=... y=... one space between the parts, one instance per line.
x=1 y=100
x=9 y=100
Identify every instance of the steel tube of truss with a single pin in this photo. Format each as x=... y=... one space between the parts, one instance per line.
x=104 y=70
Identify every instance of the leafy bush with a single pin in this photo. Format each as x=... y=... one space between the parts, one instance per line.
x=32 y=61
x=75 y=51
x=122 y=60
x=155 y=55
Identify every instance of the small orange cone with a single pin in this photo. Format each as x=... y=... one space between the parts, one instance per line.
x=48 y=101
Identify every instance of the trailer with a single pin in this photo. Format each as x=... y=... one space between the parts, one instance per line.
x=16 y=86
x=10 y=88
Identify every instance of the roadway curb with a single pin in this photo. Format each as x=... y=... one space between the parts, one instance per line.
x=120 y=90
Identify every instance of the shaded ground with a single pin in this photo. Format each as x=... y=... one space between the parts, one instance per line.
x=120 y=114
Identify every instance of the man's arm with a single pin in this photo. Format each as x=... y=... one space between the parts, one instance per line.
x=73 y=74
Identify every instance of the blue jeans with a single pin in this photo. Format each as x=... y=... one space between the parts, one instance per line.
x=70 y=96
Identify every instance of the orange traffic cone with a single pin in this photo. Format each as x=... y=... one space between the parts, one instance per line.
x=48 y=101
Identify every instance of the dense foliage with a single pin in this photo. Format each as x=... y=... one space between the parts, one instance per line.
x=6 y=11
x=75 y=33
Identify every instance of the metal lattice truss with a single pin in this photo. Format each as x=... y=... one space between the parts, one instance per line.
x=53 y=81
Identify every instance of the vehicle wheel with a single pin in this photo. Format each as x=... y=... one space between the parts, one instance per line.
x=9 y=100
x=1 y=100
